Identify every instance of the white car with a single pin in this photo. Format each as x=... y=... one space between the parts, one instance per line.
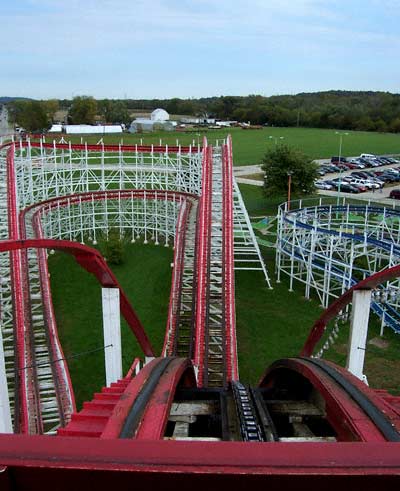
x=365 y=182
x=323 y=185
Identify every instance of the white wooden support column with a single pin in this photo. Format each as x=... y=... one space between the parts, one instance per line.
x=358 y=332
x=112 y=334
x=5 y=414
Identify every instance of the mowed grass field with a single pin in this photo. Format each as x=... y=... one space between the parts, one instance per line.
x=249 y=146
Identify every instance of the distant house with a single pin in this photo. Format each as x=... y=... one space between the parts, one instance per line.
x=159 y=120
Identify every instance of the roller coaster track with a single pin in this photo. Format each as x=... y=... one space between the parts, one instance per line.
x=186 y=419
x=371 y=231
x=201 y=323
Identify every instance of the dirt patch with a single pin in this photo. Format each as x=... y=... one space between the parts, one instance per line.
x=256 y=177
x=379 y=343
x=383 y=374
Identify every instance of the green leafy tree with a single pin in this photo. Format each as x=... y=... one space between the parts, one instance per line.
x=30 y=115
x=114 y=111
x=395 y=125
x=281 y=160
x=51 y=106
x=83 y=110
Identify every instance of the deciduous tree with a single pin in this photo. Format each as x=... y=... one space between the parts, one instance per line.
x=30 y=115
x=83 y=110
x=281 y=160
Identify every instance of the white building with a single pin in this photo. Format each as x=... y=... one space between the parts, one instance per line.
x=159 y=120
x=87 y=129
x=159 y=115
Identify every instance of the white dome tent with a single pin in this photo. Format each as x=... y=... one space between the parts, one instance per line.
x=159 y=120
x=159 y=115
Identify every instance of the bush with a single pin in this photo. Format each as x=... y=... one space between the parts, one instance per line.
x=112 y=248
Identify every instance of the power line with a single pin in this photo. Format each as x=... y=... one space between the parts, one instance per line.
x=76 y=355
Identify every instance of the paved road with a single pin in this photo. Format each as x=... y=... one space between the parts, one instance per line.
x=244 y=170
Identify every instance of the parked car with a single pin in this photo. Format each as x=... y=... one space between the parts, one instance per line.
x=338 y=159
x=394 y=194
x=351 y=165
x=348 y=188
x=323 y=185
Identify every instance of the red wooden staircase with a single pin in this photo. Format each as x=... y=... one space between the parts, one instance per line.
x=92 y=419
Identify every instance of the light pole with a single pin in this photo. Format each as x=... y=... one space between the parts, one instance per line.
x=289 y=174
x=341 y=134
x=276 y=138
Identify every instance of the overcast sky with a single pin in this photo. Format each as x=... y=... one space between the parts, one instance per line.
x=188 y=48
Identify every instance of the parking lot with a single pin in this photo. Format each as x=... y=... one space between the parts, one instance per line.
x=372 y=176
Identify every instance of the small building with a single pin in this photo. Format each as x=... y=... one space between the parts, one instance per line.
x=159 y=120
x=56 y=128
x=88 y=129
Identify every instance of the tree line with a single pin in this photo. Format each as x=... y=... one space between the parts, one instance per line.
x=348 y=110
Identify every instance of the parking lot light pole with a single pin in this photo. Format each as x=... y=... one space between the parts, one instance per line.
x=341 y=134
x=289 y=174
x=276 y=138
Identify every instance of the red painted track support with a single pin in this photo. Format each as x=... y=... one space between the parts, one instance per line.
x=331 y=312
x=179 y=373
x=67 y=463
x=228 y=265
x=65 y=392
x=203 y=259
x=176 y=284
x=155 y=416
x=93 y=262
x=114 y=148
x=348 y=419
x=24 y=378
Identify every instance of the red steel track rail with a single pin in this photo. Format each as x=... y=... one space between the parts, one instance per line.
x=24 y=378
x=228 y=265
x=153 y=424
x=65 y=463
x=331 y=312
x=114 y=148
x=157 y=404
x=65 y=393
x=203 y=260
x=176 y=284
x=78 y=198
x=91 y=260
x=345 y=415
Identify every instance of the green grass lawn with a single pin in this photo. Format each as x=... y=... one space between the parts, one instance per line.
x=249 y=146
x=145 y=276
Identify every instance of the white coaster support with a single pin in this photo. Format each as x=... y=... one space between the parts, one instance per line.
x=112 y=335
x=358 y=333
x=5 y=413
